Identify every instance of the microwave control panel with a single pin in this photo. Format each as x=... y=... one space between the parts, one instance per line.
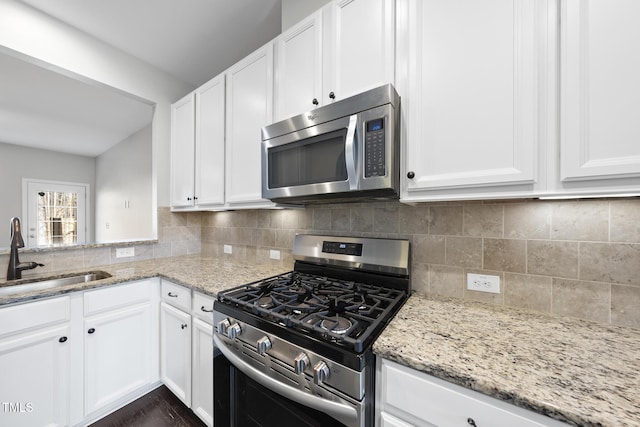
x=374 y=148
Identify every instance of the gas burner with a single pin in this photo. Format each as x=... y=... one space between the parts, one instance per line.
x=338 y=325
x=264 y=302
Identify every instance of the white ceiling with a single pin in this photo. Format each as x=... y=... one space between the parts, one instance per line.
x=44 y=109
x=192 y=40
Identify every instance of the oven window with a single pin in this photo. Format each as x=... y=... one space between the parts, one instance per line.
x=310 y=161
x=242 y=402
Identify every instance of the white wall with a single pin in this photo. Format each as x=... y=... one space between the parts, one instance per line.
x=123 y=190
x=32 y=35
x=294 y=11
x=18 y=162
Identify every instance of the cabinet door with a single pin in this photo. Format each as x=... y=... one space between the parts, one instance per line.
x=202 y=371
x=599 y=94
x=360 y=54
x=472 y=106
x=36 y=372
x=182 y=151
x=175 y=351
x=249 y=108
x=209 y=157
x=298 y=77
x=118 y=354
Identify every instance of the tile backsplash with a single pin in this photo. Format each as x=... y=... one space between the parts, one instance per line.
x=573 y=258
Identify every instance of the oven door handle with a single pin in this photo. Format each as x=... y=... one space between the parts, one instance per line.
x=350 y=146
x=343 y=413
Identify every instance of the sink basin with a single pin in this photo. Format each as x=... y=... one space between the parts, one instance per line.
x=46 y=283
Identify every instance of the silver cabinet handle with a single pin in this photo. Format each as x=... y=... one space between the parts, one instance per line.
x=343 y=413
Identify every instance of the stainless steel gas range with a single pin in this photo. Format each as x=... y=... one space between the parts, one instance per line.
x=295 y=349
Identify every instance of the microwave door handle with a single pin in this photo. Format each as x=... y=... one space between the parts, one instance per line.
x=350 y=153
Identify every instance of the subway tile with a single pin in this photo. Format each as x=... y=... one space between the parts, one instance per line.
x=585 y=300
x=413 y=219
x=446 y=220
x=385 y=219
x=610 y=262
x=420 y=278
x=505 y=255
x=527 y=291
x=322 y=219
x=446 y=281
x=361 y=219
x=527 y=221
x=340 y=219
x=463 y=251
x=428 y=249
x=552 y=258
x=583 y=221
x=625 y=306
x=482 y=220
x=625 y=221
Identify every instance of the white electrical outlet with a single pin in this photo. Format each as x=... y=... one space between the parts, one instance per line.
x=483 y=283
x=227 y=249
x=125 y=252
x=273 y=254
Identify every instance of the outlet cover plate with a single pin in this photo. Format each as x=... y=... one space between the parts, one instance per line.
x=125 y=252
x=483 y=283
x=227 y=249
x=273 y=254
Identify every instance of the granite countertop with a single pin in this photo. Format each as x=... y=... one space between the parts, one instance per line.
x=575 y=371
x=209 y=275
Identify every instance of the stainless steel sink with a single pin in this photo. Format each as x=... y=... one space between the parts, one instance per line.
x=46 y=283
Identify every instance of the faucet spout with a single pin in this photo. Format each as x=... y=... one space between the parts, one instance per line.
x=14 y=271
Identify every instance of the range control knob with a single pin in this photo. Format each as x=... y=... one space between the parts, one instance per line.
x=234 y=331
x=263 y=345
x=223 y=326
x=300 y=363
x=320 y=372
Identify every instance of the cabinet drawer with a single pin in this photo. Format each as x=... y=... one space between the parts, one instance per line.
x=425 y=400
x=116 y=296
x=34 y=314
x=176 y=295
x=203 y=307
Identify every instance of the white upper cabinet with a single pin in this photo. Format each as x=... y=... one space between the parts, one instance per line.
x=359 y=52
x=600 y=65
x=249 y=107
x=209 y=151
x=197 y=147
x=182 y=151
x=298 y=77
x=339 y=51
x=470 y=77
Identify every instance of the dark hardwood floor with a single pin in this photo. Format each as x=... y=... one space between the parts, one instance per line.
x=158 y=408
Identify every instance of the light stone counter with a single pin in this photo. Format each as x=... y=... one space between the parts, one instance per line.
x=576 y=371
x=209 y=275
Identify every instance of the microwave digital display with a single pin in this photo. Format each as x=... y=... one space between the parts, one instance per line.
x=375 y=125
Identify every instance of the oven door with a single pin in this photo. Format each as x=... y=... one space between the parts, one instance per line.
x=245 y=396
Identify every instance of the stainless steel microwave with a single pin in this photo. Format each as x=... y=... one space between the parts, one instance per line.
x=345 y=151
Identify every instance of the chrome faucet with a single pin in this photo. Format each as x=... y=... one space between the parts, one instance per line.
x=15 y=266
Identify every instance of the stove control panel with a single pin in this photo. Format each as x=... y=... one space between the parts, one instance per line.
x=263 y=345
x=342 y=248
x=300 y=363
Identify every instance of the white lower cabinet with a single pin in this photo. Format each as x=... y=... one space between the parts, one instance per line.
x=406 y=397
x=35 y=388
x=175 y=351
x=186 y=347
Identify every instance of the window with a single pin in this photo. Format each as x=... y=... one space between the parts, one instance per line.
x=56 y=213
